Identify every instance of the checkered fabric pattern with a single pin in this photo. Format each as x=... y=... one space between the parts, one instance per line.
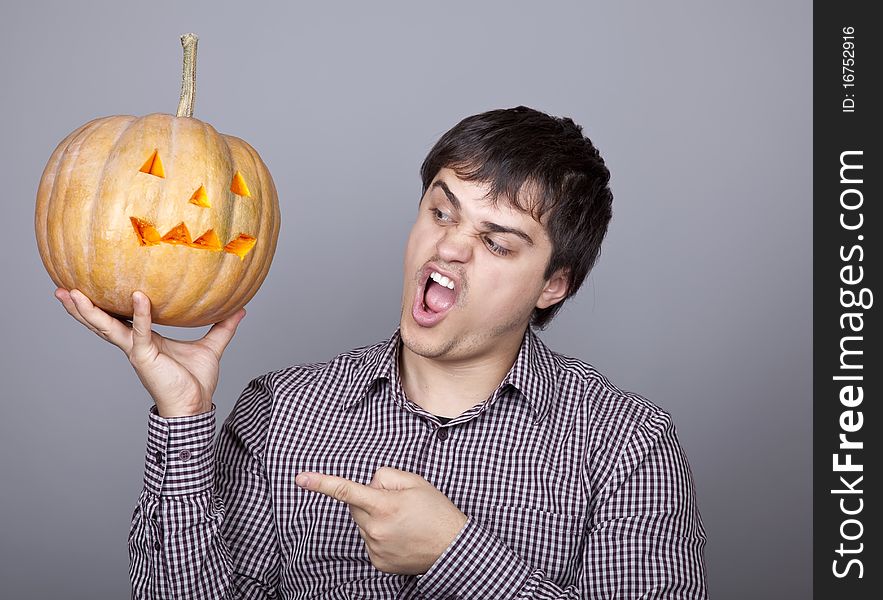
x=573 y=488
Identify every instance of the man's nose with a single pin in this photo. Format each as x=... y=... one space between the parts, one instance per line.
x=454 y=245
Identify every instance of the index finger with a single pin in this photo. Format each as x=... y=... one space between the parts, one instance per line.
x=349 y=492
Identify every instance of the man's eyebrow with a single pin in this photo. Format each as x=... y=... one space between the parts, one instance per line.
x=496 y=228
x=451 y=197
x=503 y=229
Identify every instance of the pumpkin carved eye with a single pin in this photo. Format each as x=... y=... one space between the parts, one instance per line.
x=238 y=187
x=153 y=165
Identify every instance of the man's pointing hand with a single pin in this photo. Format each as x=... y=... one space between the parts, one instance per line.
x=406 y=523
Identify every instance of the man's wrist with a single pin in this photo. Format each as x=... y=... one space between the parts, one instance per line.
x=180 y=412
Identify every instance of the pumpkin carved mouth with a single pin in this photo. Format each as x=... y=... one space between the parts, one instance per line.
x=148 y=235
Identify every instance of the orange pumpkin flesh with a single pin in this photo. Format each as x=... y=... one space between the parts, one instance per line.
x=121 y=199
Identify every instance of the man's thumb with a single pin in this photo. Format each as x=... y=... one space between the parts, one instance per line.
x=387 y=478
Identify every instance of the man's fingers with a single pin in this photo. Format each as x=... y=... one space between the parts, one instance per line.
x=222 y=332
x=96 y=319
x=67 y=302
x=350 y=492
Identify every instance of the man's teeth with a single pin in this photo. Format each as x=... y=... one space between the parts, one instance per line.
x=441 y=280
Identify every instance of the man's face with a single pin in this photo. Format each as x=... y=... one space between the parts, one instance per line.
x=494 y=258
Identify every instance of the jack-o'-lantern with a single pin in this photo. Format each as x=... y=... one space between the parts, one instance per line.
x=162 y=204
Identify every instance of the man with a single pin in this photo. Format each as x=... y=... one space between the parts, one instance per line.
x=461 y=458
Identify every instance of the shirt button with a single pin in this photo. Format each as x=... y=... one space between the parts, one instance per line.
x=157 y=546
x=158 y=457
x=441 y=433
x=184 y=455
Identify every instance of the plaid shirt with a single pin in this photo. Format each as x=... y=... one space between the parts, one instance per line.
x=572 y=487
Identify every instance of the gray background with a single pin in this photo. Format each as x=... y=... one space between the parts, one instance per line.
x=701 y=300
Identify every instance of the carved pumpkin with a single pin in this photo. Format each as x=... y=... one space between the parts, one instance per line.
x=163 y=204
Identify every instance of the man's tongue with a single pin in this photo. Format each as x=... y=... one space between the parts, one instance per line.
x=438 y=298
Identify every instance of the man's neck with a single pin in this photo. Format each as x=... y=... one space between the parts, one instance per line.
x=450 y=387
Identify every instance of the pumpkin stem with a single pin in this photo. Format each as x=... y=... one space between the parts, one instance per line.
x=188 y=84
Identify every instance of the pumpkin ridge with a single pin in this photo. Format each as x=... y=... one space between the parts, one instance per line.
x=57 y=206
x=208 y=142
x=237 y=150
x=274 y=225
x=45 y=201
x=185 y=261
x=68 y=206
x=227 y=268
x=93 y=249
x=265 y=252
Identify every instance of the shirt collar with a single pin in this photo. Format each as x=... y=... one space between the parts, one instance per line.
x=532 y=374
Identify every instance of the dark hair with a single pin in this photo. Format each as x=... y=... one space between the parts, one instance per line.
x=539 y=164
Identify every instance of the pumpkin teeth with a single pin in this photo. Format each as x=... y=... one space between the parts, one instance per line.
x=147 y=233
x=208 y=241
x=241 y=245
x=179 y=234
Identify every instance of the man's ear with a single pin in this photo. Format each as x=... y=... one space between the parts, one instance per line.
x=555 y=289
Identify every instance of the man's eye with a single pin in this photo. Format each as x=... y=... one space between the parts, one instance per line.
x=439 y=215
x=496 y=248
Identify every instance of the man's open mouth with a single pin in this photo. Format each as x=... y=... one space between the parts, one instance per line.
x=436 y=294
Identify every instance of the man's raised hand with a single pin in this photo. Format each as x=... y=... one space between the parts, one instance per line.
x=180 y=376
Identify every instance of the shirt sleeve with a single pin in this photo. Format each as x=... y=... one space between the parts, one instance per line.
x=203 y=525
x=644 y=539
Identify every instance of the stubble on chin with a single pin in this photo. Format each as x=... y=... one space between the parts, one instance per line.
x=464 y=344
x=425 y=350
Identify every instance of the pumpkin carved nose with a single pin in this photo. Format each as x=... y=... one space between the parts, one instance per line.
x=200 y=198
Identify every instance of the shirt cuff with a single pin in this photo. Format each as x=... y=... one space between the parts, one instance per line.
x=477 y=564
x=179 y=456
